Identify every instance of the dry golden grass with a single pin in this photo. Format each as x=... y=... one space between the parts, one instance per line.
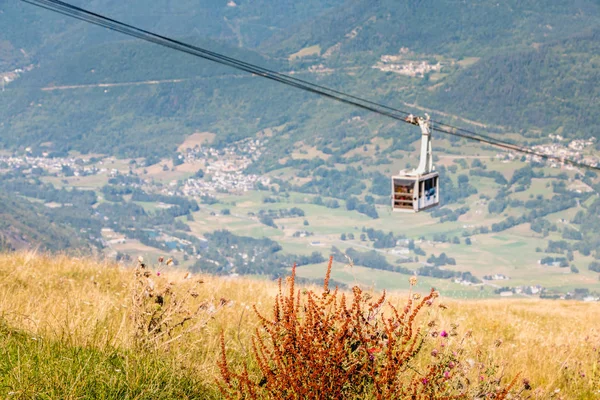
x=87 y=303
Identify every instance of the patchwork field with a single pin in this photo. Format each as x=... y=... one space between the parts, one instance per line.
x=468 y=239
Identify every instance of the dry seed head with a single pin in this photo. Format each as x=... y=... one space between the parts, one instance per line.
x=413 y=280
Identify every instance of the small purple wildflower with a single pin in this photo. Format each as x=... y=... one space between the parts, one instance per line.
x=446 y=374
x=434 y=352
x=158 y=273
x=444 y=334
x=425 y=381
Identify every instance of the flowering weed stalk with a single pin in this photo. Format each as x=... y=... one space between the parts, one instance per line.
x=328 y=346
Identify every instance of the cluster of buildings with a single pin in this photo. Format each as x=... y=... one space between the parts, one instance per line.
x=388 y=63
x=8 y=77
x=465 y=282
x=224 y=168
x=531 y=290
x=320 y=69
x=573 y=150
x=238 y=156
x=537 y=290
x=222 y=182
x=56 y=166
x=495 y=277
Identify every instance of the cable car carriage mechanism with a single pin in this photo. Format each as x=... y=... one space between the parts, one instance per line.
x=418 y=189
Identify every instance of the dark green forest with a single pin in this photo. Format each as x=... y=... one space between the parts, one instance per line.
x=23 y=223
x=551 y=87
x=534 y=67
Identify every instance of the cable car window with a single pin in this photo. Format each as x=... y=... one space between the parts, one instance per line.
x=430 y=187
x=403 y=194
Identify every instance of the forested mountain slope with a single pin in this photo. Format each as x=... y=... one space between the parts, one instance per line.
x=519 y=64
x=26 y=225
x=554 y=86
x=449 y=27
x=139 y=117
x=42 y=34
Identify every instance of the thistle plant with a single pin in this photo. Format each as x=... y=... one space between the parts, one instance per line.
x=329 y=345
x=165 y=311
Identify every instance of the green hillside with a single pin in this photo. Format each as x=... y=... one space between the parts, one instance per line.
x=517 y=64
x=440 y=27
x=42 y=34
x=26 y=225
x=550 y=87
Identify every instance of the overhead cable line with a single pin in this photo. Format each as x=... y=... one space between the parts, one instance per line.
x=109 y=23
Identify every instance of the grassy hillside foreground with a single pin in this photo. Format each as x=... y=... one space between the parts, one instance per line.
x=70 y=328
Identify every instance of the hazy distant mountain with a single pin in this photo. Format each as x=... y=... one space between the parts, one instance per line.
x=455 y=28
x=535 y=59
x=243 y=23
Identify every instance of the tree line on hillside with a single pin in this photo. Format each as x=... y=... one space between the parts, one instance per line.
x=227 y=253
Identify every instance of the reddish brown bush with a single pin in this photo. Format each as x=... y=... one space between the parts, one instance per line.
x=324 y=346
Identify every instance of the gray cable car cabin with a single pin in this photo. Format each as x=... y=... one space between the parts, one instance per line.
x=419 y=189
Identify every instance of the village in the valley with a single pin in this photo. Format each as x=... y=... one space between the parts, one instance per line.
x=210 y=171
x=222 y=169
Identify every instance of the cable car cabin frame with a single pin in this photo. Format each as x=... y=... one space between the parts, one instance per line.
x=415 y=193
x=419 y=189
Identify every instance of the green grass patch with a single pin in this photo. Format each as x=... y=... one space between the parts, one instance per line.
x=32 y=367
